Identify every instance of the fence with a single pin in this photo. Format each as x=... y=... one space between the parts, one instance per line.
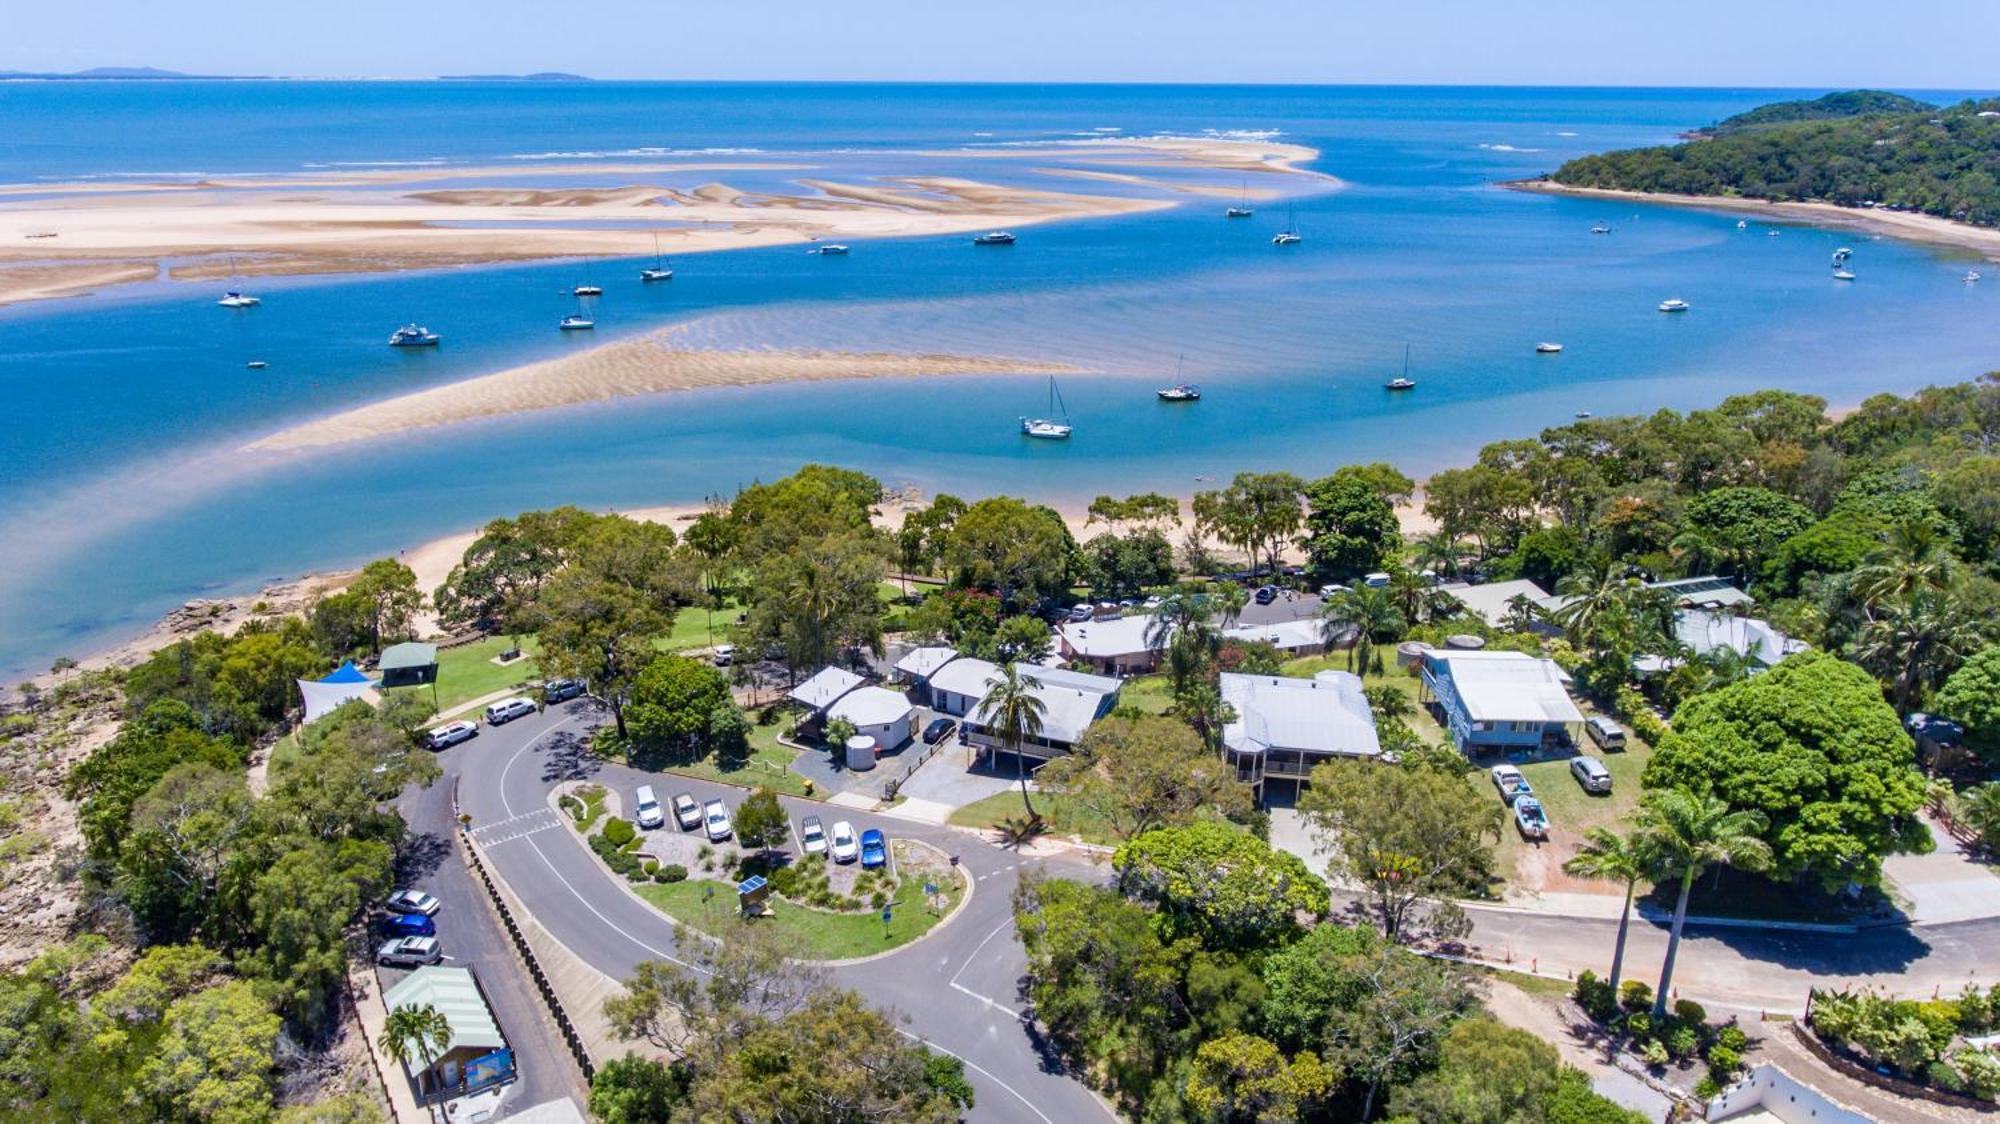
x=563 y=1024
x=925 y=754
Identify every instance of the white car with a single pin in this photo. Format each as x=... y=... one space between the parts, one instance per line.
x=646 y=809
x=812 y=836
x=724 y=655
x=506 y=710
x=449 y=734
x=687 y=813
x=846 y=848
x=715 y=819
x=1332 y=589
x=412 y=901
x=1510 y=783
x=409 y=952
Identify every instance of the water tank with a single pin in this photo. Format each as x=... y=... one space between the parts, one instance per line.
x=1465 y=642
x=1410 y=652
x=861 y=752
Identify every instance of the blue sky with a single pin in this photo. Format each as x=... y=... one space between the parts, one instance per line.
x=1834 y=43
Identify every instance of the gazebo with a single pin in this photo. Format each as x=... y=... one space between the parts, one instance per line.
x=408 y=665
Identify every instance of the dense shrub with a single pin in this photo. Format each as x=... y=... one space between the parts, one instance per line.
x=1635 y=995
x=1723 y=1063
x=620 y=831
x=1732 y=1037
x=1690 y=1012
x=671 y=872
x=1594 y=996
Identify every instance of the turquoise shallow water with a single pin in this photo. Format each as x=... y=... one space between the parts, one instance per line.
x=122 y=496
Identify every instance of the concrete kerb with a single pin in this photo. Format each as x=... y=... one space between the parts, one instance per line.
x=687 y=927
x=1692 y=920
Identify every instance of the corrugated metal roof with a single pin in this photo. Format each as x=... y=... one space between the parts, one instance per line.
x=826 y=685
x=870 y=706
x=456 y=996
x=1326 y=714
x=1507 y=686
x=924 y=662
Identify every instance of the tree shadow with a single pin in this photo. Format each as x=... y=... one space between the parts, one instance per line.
x=569 y=758
x=421 y=856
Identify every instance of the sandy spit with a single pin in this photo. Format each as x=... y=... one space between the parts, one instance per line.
x=67 y=279
x=648 y=364
x=1926 y=229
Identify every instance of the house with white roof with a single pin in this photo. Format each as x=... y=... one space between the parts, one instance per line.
x=1284 y=726
x=475 y=1055
x=1113 y=646
x=1494 y=601
x=917 y=665
x=1706 y=592
x=1493 y=701
x=1071 y=702
x=877 y=712
x=1302 y=637
x=1702 y=631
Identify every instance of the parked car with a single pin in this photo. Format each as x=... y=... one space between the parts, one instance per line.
x=1332 y=589
x=1079 y=613
x=845 y=849
x=561 y=690
x=1376 y=580
x=1510 y=783
x=412 y=901
x=723 y=655
x=450 y=734
x=1530 y=819
x=1266 y=594
x=408 y=925
x=687 y=813
x=409 y=952
x=874 y=848
x=715 y=820
x=506 y=710
x=812 y=836
x=1607 y=734
x=1591 y=774
x=1154 y=601
x=938 y=730
x=646 y=808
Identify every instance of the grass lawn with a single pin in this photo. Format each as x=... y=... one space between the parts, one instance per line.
x=468 y=671
x=1064 y=817
x=826 y=936
x=696 y=627
x=1150 y=693
x=769 y=765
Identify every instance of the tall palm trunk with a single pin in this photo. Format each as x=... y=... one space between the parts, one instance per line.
x=1673 y=945
x=1021 y=774
x=1618 y=950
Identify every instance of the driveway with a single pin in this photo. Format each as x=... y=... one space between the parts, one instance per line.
x=1949 y=884
x=957 y=989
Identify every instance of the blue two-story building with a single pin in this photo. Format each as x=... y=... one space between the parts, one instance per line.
x=1500 y=701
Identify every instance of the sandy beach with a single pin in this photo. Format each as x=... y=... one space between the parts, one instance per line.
x=71 y=238
x=1926 y=229
x=649 y=364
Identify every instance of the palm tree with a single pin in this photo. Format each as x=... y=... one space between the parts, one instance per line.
x=412 y=1031
x=1013 y=712
x=1613 y=857
x=1599 y=602
x=1686 y=834
x=1522 y=613
x=1410 y=592
x=1980 y=807
x=1440 y=551
x=1916 y=644
x=1230 y=601
x=1913 y=560
x=1181 y=625
x=1367 y=616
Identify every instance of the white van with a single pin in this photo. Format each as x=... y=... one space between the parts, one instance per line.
x=647 y=811
x=506 y=710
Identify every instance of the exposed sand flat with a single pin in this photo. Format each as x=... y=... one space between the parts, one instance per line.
x=1211 y=190
x=348 y=177
x=67 y=279
x=648 y=364
x=1926 y=229
x=1225 y=154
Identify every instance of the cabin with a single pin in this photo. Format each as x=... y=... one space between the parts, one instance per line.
x=1494 y=601
x=475 y=1055
x=877 y=712
x=1500 y=701
x=1112 y=646
x=1284 y=726
x=916 y=667
x=1071 y=702
x=1295 y=639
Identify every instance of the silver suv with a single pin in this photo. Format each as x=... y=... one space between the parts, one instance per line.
x=409 y=952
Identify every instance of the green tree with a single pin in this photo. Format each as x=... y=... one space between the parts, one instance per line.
x=1244 y=1078
x=1256 y=512
x=1022 y=639
x=1350 y=527
x=1810 y=747
x=1221 y=883
x=1686 y=834
x=416 y=1033
x=673 y=706
x=760 y=821
x=1138 y=774
x=1362 y=618
x=600 y=631
x=1414 y=838
x=1613 y=857
x=1122 y=565
x=1012 y=712
x=821 y=599
x=1971 y=697
x=1486 y=1073
x=185 y=831
x=1017 y=550
x=115 y=775
x=635 y=1090
x=1741 y=528
x=300 y=909
x=507 y=563
x=214 y=1058
x=389 y=589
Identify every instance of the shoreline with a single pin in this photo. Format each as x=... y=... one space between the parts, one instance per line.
x=1905 y=226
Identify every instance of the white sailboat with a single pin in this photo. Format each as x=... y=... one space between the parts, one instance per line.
x=1290 y=235
x=1048 y=428
x=1403 y=381
x=660 y=271
x=1180 y=391
x=1242 y=208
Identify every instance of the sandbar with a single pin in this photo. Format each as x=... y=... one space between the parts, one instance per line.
x=648 y=364
x=1926 y=229
x=29 y=282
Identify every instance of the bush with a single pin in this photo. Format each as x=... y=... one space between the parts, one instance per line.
x=1655 y=1055
x=1981 y=1071
x=650 y=866
x=577 y=809
x=1639 y=1024
x=1945 y=1076
x=1635 y=995
x=1723 y=1063
x=1683 y=1041
x=1690 y=1012
x=1594 y=996
x=1708 y=1087
x=1732 y=1037
x=620 y=831
x=671 y=872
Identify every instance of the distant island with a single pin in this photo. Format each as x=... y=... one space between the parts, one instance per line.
x=538 y=76
x=1861 y=149
x=106 y=74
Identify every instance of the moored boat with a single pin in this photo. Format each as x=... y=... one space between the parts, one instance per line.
x=413 y=335
x=994 y=238
x=1673 y=304
x=1048 y=429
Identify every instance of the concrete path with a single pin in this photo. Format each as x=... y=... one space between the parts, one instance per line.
x=1949 y=884
x=1517 y=1008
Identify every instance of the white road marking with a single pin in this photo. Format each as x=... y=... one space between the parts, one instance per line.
x=608 y=923
x=972 y=1065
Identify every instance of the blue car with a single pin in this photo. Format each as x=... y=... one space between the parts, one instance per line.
x=874 y=849
x=409 y=925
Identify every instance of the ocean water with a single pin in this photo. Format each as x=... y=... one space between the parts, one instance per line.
x=124 y=493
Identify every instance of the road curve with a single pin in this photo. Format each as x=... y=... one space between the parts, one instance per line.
x=958 y=987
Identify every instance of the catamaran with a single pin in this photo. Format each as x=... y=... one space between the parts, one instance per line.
x=994 y=238
x=1403 y=381
x=413 y=335
x=1047 y=428
x=1242 y=208
x=660 y=271
x=1290 y=235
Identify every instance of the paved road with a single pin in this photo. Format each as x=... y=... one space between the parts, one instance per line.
x=958 y=987
x=472 y=937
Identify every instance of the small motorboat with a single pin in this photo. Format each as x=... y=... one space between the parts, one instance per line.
x=1547 y=348
x=413 y=335
x=833 y=249
x=1771 y=234
x=1673 y=304
x=1971 y=275
x=994 y=238
x=587 y=291
x=576 y=322
x=1843 y=275
x=1601 y=228
x=1583 y=413
x=1742 y=224
x=234 y=299
x=256 y=364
